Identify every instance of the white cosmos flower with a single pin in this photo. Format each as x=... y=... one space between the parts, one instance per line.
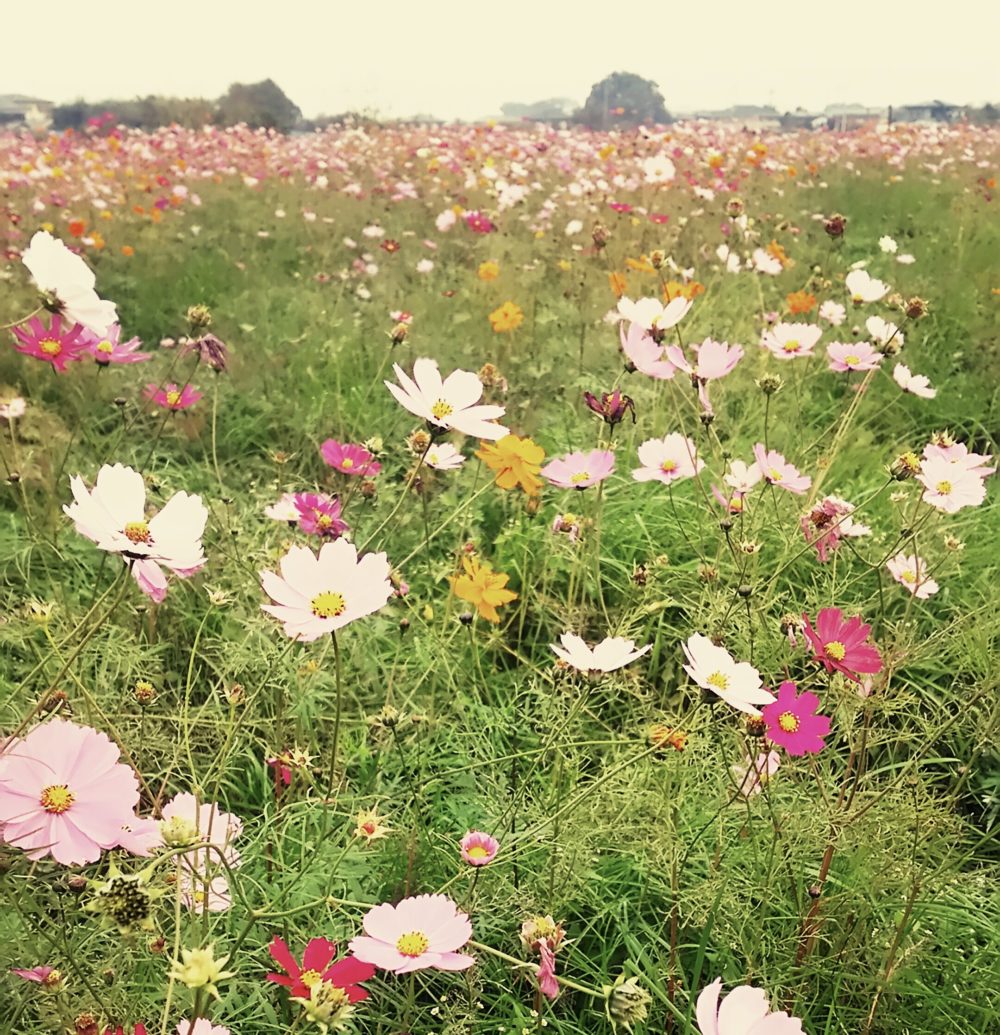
x=658 y=169
x=613 y=652
x=915 y=384
x=864 y=288
x=284 y=509
x=888 y=245
x=652 y=315
x=443 y=456
x=60 y=272
x=714 y=668
x=449 y=404
x=882 y=332
x=833 y=312
x=764 y=263
x=742 y=477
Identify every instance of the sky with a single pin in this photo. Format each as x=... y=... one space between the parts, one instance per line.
x=464 y=59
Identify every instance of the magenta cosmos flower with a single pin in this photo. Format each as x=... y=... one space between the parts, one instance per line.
x=479 y=849
x=109 y=348
x=53 y=342
x=667 y=459
x=64 y=793
x=775 y=469
x=791 y=340
x=319 y=593
x=417 y=934
x=579 y=470
x=858 y=355
x=43 y=975
x=449 y=404
x=745 y=1011
x=319 y=514
x=318 y=965
x=349 y=459
x=792 y=722
x=840 y=644
x=170 y=397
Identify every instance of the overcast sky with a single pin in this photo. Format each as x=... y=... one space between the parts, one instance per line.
x=464 y=59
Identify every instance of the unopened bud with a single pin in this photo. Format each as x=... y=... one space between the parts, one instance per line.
x=199 y=317
x=915 y=308
x=770 y=384
x=906 y=465
x=835 y=225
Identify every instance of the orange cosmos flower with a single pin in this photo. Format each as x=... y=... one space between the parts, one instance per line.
x=618 y=284
x=489 y=270
x=800 y=302
x=642 y=264
x=692 y=289
x=482 y=587
x=128 y=251
x=77 y=227
x=507 y=318
x=777 y=251
x=516 y=462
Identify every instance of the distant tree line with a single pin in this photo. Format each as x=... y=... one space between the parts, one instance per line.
x=261 y=105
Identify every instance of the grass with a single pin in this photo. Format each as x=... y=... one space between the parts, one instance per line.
x=647 y=857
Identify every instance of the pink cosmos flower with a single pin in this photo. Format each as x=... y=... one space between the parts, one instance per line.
x=840 y=644
x=778 y=471
x=13 y=408
x=859 y=355
x=643 y=353
x=64 y=793
x=349 y=459
x=449 y=404
x=959 y=454
x=792 y=722
x=52 y=342
x=829 y=521
x=190 y=821
x=479 y=849
x=833 y=312
x=43 y=975
x=949 y=487
x=668 y=459
x=791 y=340
x=201 y=1026
x=420 y=932
x=140 y=836
x=319 y=514
x=319 y=593
x=109 y=348
x=318 y=965
x=915 y=384
x=910 y=571
x=579 y=470
x=714 y=669
x=203 y=894
x=612 y=653
x=547 y=983
x=713 y=359
x=755 y=772
x=745 y=1011
x=170 y=397
x=543 y=935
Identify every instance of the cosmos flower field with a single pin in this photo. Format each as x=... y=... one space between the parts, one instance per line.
x=499 y=578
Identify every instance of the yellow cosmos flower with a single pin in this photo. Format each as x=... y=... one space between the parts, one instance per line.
x=482 y=587
x=507 y=318
x=516 y=461
x=489 y=270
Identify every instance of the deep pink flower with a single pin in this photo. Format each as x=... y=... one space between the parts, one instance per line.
x=479 y=849
x=51 y=342
x=44 y=975
x=318 y=965
x=64 y=793
x=611 y=406
x=479 y=223
x=778 y=471
x=320 y=515
x=579 y=470
x=547 y=983
x=349 y=459
x=109 y=348
x=827 y=523
x=840 y=643
x=792 y=722
x=170 y=397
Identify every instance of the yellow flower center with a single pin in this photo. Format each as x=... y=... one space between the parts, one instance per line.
x=52 y=978
x=580 y=476
x=106 y=347
x=848 y=360
x=57 y=798
x=50 y=346
x=137 y=532
x=943 y=487
x=776 y=475
x=347 y=462
x=413 y=943
x=173 y=397
x=668 y=466
x=857 y=299
x=310 y=977
x=788 y=721
x=836 y=650
x=792 y=345
x=477 y=852
x=718 y=680
x=909 y=575
x=323 y=521
x=328 y=604
x=441 y=409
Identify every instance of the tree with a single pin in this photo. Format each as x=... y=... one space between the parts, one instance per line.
x=623 y=99
x=261 y=105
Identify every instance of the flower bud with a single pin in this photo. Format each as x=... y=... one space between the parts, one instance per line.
x=144 y=692
x=628 y=1001
x=734 y=207
x=906 y=465
x=600 y=235
x=199 y=317
x=770 y=384
x=835 y=225
x=915 y=308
